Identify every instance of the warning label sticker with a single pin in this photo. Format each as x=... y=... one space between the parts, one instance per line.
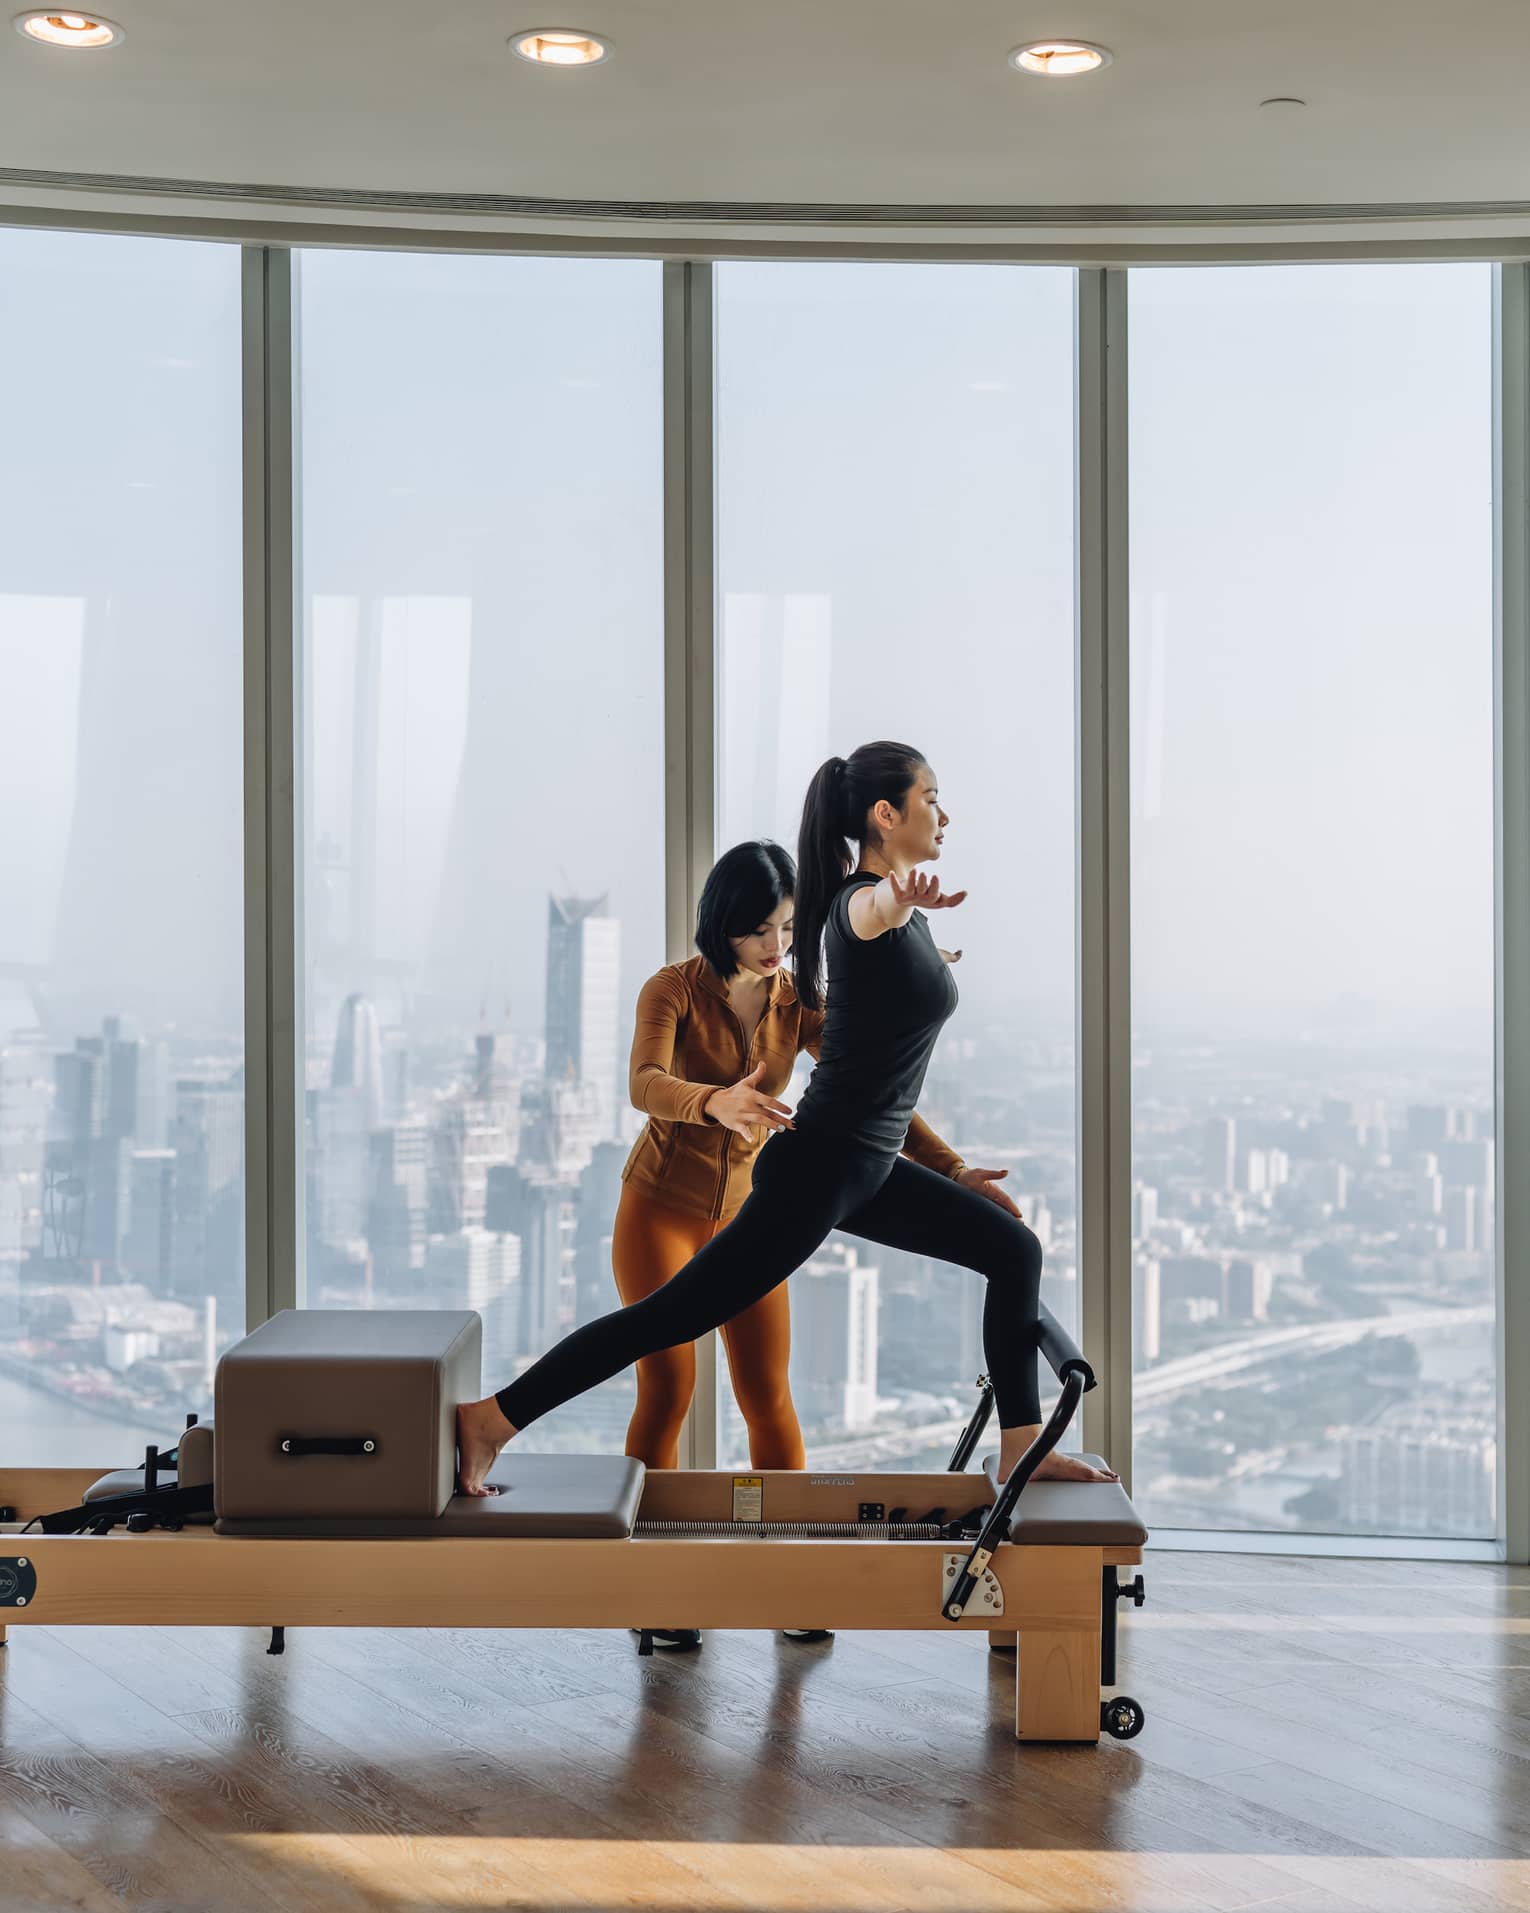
x=748 y=1497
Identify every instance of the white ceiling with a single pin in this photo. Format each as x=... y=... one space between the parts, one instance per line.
x=881 y=101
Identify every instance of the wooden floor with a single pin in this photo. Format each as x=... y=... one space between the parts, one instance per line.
x=1321 y=1735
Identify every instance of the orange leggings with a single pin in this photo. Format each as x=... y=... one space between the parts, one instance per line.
x=649 y=1245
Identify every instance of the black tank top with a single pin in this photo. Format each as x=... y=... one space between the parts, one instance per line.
x=887 y=999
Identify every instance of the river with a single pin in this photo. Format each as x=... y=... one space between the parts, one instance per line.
x=39 y=1429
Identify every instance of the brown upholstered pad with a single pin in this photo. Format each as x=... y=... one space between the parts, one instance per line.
x=1081 y=1514
x=194 y=1469
x=125 y=1481
x=393 y=1377
x=543 y=1497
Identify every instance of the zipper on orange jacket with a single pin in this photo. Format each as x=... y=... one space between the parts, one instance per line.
x=746 y=1051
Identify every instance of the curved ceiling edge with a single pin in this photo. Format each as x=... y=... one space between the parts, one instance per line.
x=760 y=213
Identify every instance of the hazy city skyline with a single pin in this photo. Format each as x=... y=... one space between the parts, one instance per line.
x=482 y=672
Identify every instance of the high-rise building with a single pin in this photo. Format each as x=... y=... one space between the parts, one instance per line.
x=398 y=1192
x=26 y=1101
x=208 y=1134
x=1332 y=1185
x=397 y=1078
x=834 y=1339
x=1147 y=1310
x=583 y=1000
x=90 y=1143
x=1470 y=1164
x=1185 y=1278
x=19 y=1208
x=1246 y=1289
x=1038 y=1218
x=338 y=1165
x=533 y=1209
x=1265 y=1170
x=1219 y=1152
x=594 y=1213
x=149 y=1255
x=137 y=1087
x=1465 y=1220
x=1429 y=1126
x=357 y=1061
x=1144 y=1211
x=560 y=1125
x=476 y=1129
x=1407 y=1475
x=80 y=1091
x=474 y=1269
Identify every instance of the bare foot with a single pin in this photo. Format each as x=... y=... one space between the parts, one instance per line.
x=1058 y=1467
x=481 y=1432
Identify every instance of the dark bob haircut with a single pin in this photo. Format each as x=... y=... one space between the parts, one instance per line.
x=742 y=888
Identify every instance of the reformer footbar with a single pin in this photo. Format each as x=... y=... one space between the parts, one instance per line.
x=972 y=1434
x=1077 y=1378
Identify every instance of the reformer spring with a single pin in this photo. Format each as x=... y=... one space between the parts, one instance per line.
x=796 y=1530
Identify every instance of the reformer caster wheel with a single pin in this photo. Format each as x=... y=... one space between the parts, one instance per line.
x=1122 y=1718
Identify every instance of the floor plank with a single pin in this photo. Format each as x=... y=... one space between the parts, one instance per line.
x=1322 y=1737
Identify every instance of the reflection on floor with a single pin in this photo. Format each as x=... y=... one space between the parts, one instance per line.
x=1320 y=1735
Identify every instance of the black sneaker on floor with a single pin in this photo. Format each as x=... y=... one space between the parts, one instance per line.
x=682 y=1640
x=807 y=1633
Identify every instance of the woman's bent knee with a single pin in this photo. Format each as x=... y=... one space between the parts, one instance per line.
x=1014 y=1255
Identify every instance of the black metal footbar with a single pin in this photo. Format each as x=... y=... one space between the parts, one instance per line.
x=1075 y=1383
x=1121 y=1717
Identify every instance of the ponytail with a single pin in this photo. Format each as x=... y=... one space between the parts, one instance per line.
x=834 y=811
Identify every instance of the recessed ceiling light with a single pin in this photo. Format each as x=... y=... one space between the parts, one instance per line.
x=69 y=29
x=560 y=46
x=1059 y=58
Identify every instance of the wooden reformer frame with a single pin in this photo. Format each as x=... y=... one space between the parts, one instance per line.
x=1051 y=1596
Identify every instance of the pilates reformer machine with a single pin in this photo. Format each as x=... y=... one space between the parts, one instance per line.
x=322 y=1494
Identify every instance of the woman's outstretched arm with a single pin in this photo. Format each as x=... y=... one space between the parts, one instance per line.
x=888 y=904
x=652 y=1083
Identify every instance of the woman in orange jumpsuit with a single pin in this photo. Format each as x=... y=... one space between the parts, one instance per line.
x=714 y=1046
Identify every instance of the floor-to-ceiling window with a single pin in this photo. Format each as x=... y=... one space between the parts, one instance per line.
x=895 y=508
x=481 y=869
x=483 y=849
x=121 y=863
x=1312 y=917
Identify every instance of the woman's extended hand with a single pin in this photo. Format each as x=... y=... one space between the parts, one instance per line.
x=744 y=1107
x=986 y=1183
x=922 y=893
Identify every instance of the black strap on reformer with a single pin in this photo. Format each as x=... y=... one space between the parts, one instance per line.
x=297 y=1445
x=109 y=1511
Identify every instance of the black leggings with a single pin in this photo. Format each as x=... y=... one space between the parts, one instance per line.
x=805 y=1184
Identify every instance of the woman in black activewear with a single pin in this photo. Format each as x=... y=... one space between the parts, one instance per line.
x=837 y=1165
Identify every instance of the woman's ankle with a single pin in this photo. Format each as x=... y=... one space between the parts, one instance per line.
x=488 y=1419
x=1013 y=1443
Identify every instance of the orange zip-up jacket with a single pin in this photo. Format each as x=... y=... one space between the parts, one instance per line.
x=687 y=1043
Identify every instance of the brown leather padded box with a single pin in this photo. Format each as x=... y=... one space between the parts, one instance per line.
x=298 y=1400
